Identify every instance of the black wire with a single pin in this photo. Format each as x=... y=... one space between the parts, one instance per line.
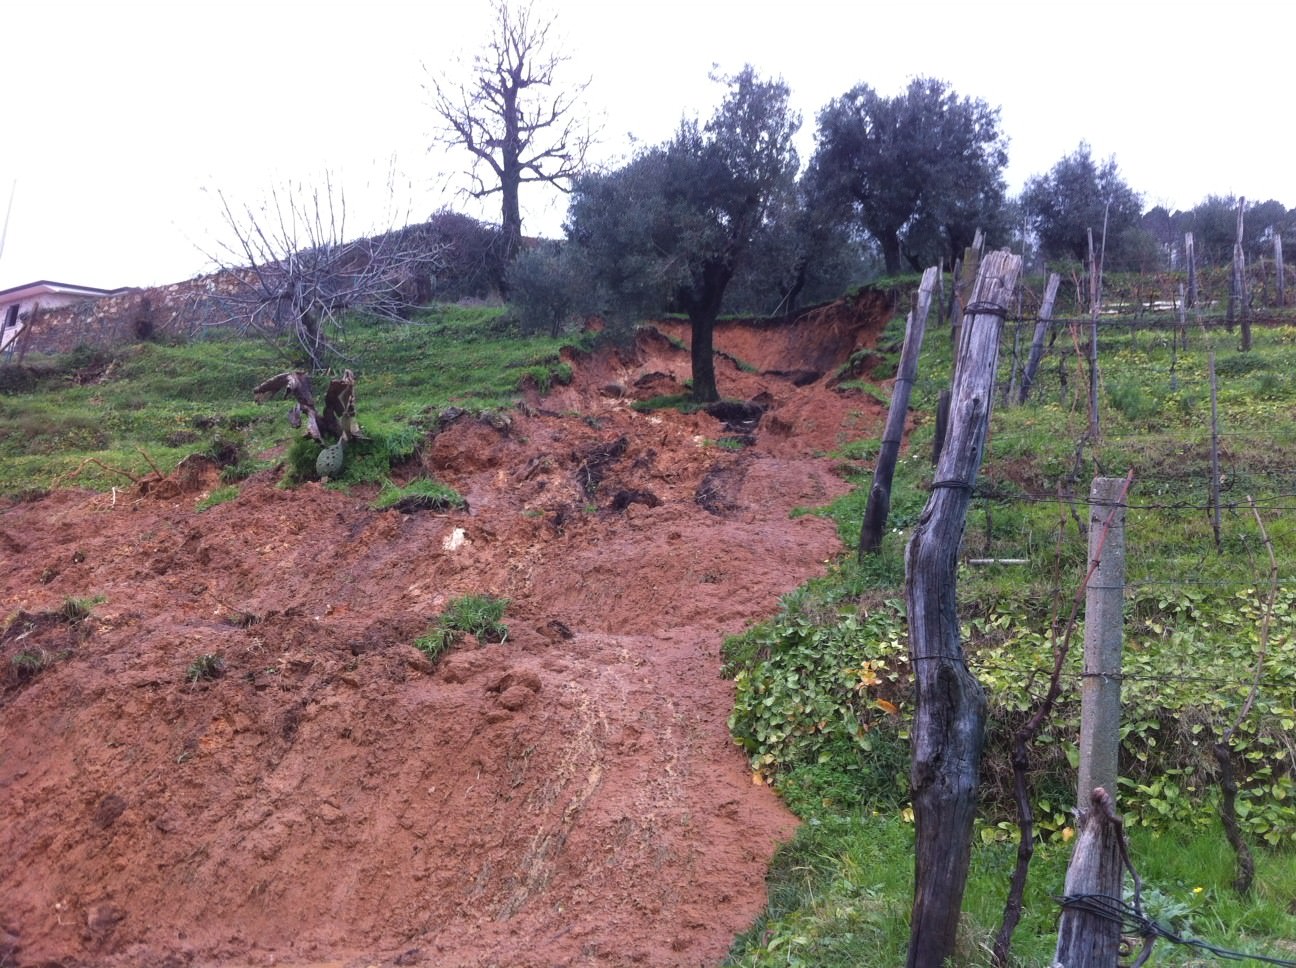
x=1133 y=921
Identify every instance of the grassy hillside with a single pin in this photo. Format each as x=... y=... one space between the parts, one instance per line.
x=96 y=416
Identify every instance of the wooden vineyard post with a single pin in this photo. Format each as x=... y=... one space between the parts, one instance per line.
x=1190 y=258
x=1037 y=341
x=1095 y=294
x=1278 y=269
x=940 y=298
x=1100 y=686
x=965 y=270
x=952 y=305
x=1085 y=939
x=1239 y=286
x=1011 y=390
x=942 y=425
x=949 y=711
x=1214 y=484
x=879 y=500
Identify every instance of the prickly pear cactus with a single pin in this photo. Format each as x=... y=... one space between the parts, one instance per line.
x=329 y=461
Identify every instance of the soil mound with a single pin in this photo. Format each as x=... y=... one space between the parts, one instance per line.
x=238 y=757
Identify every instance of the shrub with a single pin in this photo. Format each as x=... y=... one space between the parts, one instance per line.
x=547 y=288
x=821 y=693
x=471 y=261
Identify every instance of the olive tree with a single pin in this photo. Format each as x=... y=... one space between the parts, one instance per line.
x=919 y=172
x=1076 y=195
x=669 y=230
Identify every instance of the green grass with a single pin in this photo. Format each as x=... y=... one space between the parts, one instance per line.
x=840 y=894
x=206 y=667
x=421 y=494
x=683 y=402
x=809 y=681
x=29 y=663
x=480 y=616
x=151 y=404
x=75 y=610
x=220 y=495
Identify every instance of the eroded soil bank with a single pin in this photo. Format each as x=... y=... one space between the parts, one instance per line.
x=567 y=797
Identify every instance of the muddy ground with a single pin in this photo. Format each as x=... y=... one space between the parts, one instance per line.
x=569 y=796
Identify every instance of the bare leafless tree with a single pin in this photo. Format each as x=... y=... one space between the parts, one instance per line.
x=290 y=270
x=512 y=114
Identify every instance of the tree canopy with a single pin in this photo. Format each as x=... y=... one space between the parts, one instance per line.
x=1076 y=195
x=670 y=229
x=918 y=172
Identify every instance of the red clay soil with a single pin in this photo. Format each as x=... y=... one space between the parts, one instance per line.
x=570 y=796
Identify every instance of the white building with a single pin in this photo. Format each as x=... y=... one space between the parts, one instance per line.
x=16 y=304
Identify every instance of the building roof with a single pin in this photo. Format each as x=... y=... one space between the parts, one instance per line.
x=46 y=287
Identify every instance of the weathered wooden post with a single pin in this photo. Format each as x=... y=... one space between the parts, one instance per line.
x=1041 y=328
x=1095 y=295
x=949 y=713
x=1190 y=257
x=1010 y=392
x=1214 y=484
x=953 y=305
x=879 y=501
x=1104 y=600
x=1278 y=268
x=965 y=271
x=942 y=425
x=1085 y=939
x=1240 y=281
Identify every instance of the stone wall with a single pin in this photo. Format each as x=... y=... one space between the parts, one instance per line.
x=178 y=310
x=412 y=264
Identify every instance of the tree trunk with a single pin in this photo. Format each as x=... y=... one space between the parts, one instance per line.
x=1041 y=328
x=510 y=226
x=890 y=242
x=879 y=502
x=949 y=714
x=703 y=359
x=703 y=308
x=510 y=176
x=1229 y=817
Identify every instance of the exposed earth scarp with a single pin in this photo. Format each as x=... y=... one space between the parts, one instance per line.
x=569 y=796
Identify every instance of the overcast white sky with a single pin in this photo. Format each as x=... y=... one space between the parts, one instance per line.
x=120 y=118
